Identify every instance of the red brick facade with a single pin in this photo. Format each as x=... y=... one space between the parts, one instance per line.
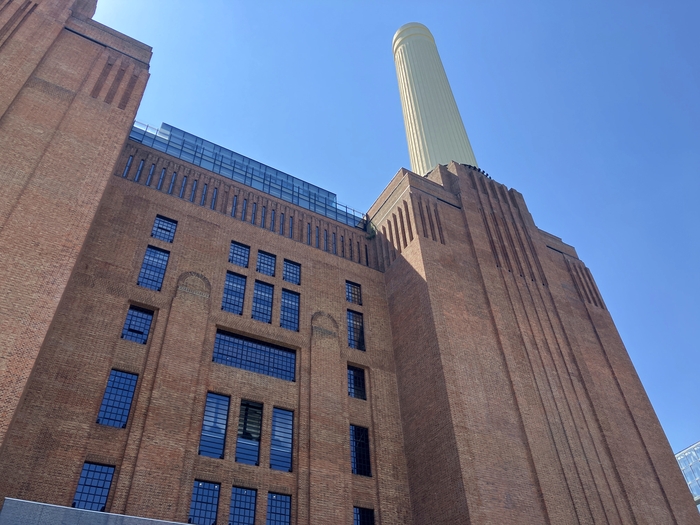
x=498 y=389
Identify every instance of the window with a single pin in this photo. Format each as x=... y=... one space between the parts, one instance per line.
x=291 y=227
x=292 y=272
x=262 y=302
x=266 y=263
x=317 y=237
x=279 y=509
x=254 y=356
x=93 y=487
x=353 y=293
x=244 y=208
x=289 y=311
x=213 y=197
x=211 y=442
x=356 y=382
x=128 y=166
x=116 y=402
x=239 y=254
x=203 y=200
x=242 y=506
x=205 y=503
x=362 y=516
x=255 y=211
x=249 y=425
x=153 y=268
x=233 y=207
x=137 y=324
x=262 y=217
x=335 y=245
x=164 y=229
x=308 y=233
x=281 y=223
x=325 y=240
x=272 y=220
x=160 y=179
x=359 y=451
x=150 y=174
x=281 y=444
x=194 y=190
x=356 y=331
x=182 y=186
x=172 y=183
x=138 y=171
x=234 y=292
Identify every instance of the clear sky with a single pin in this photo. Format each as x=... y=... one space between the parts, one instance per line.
x=590 y=109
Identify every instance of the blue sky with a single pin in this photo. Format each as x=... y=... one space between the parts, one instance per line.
x=590 y=109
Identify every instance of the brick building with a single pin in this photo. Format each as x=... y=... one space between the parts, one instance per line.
x=190 y=335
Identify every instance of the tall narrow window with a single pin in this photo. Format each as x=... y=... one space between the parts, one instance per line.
x=281 y=223
x=153 y=268
x=335 y=246
x=366 y=256
x=279 y=509
x=239 y=254
x=249 y=425
x=317 y=238
x=356 y=382
x=308 y=233
x=137 y=324
x=359 y=451
x=281 y=444
x=233 y=207
x=214 y=194
x=289 y=311
x=128 y=166
x=116 y=402
x=172 y=183
x=213 y=438
x=93 y=487
x=292 y=272
x=164 y=229
x=325 y=240
x=262 y=302
x=243 y=209
x=150 y=174
x=205 y=503
x=160 y=179
x=291 y=227
x=362 y=516
x=342 y=246
x=262 y=217
x=203 y=200
x=194 y=190
x=138 y=171
x=266 y=263
x=272 y=220
x=255 y=212
x=356 y=331
x=353 y=293
x=182 y=186
x=242 y=506
x=254 y=356
x=234 y=293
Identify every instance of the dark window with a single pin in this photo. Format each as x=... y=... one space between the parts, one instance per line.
x=356 y=382
x=128 y=166
x=255 y=211
x=160 y=179
x=266 y=263
x=211 y=443
x=279 y=509
x=325 y=240
x=281 y=223
x=150 y=174
x=194 y=190
x=353 y=293
x=262 y=217
x=359 y=451
x=234 y=292
x=317 y=238
x=172 y=183
x=137 y=324
x=164 y=229
x=233 y=207
x=116 y=403
x=289 y=311
x=138 y=171
x=272 y=220
x=242 y=506
x=93 y=487
x=335 y=245
x=356 y=331
x=254 y=356
x=262 y=302
x=213 y=198
x=291 y=227
x=239 y=254
x=342 y=246
x=292 y=272
x=366 y=256
x=205 y=503
x=281 y=444
x=308 y=233
x=249 y=425
x=153 y=268
x=182 y=186
x=203 y=200
x=244 y=208
x=362 y=516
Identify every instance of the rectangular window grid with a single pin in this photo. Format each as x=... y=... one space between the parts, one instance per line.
x=356 y=382
x=242 y=506
x=279 y=509
x=289 y=311
x=239 y=254
x=211 y=442
x=164 y=229
x=93 y=487
x=153 y=268
x=254 y=356
x=266 y=263
x=137 y=324
x=362 y=516
x=356 y=331
x=353 y=293
x=359 y=451
x=205 y=503
x=281 y=444
x=262 y=301
x=292 y=272
x=234 y=293
x=249 y=425
x=116 y=402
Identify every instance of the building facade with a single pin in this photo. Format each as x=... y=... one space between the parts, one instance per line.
x=192 y=336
